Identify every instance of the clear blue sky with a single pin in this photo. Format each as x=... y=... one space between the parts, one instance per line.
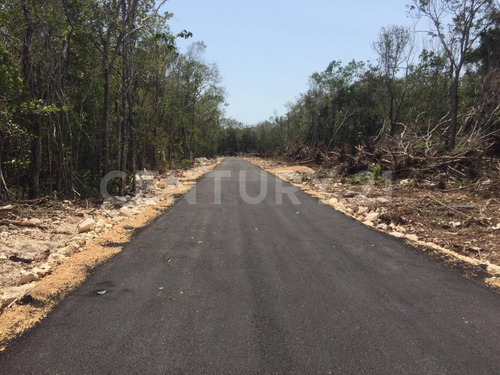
x=266 y=50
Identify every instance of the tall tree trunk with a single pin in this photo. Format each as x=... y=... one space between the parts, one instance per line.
x=454 y=101
x=193 y=123
x=128 y=9
x=36 y=158
x=118 y=115
x=391 y=114
x=171 y=139
x=123 y=146
x=130 y=126
x=36 y=126
x=4 y=190
x=125 y=116
x=106 y=106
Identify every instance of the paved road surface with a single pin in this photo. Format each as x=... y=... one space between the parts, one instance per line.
x=265 y=289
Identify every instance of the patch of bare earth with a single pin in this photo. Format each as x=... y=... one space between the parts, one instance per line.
x=43 y=258
x=460 y=226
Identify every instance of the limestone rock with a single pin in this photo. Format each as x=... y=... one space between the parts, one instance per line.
x=66 y=251
x=125 y=212
x=32 y=250
x=372 y=216
x=36 y=221
x=362 y=210
x=11 y=294
x=150 y=202
x=100 y=223
x=86 y=225
x=42 y=270
x=412 y=237
x=27 y=277
x=397 y=234
x=333 y=201
x=383 y=226
x=56 y=258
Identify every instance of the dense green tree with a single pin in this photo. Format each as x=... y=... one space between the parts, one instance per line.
x=91 y=86
x=100 y=86
x=10 y=89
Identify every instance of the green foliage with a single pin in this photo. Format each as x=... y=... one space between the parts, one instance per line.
x=360 y=178
x=10 y=76
x=101 y=86
x=376 y=172
x=408 y=91
x=40 y=108
x=185 y=164
x=89 y=86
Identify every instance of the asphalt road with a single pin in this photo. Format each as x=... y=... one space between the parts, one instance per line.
x=265 y=289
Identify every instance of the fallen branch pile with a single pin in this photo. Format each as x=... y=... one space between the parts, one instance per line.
x=410 y=159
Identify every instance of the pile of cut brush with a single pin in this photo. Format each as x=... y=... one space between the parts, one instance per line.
x=411 y=159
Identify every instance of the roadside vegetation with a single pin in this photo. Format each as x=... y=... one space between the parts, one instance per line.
x=431 y=102
x=95 y=86
x=88 y=87
x=409 y=145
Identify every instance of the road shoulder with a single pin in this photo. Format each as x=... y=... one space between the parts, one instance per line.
x=377 y=207
x=32 y=301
